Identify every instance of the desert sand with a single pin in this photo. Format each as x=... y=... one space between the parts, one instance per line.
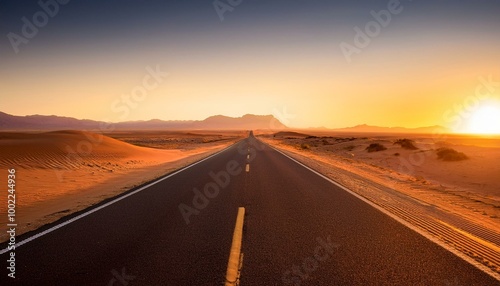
x=413 y=183
x=58 y=173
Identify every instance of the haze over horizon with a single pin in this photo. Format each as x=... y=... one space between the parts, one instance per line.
x=432 y=64
x=274 y=123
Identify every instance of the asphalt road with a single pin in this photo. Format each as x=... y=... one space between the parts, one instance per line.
x=299 y=229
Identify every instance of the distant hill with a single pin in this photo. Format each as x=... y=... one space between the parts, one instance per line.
x=248 y=121
x=219 y=122
x=377 y=129
x=42 y=122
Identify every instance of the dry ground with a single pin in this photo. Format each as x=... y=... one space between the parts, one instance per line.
x=58 y=173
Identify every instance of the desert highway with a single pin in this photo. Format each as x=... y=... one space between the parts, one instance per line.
x=298 y=229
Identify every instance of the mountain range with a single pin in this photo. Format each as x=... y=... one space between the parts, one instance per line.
x=218 y=122
x=364 y=128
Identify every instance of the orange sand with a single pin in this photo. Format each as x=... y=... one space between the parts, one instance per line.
x=468 y=188
x=58 y=173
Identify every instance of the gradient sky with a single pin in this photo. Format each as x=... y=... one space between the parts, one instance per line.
x=265 y=57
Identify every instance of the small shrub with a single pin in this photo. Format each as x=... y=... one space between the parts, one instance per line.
x=305 y=146
x=406 y=144
x=350 y=147
x=396 y=154
x=448 y=154
x=375 y=147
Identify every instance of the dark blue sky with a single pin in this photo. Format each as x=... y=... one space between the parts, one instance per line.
x=92 y=48
x=108 y=20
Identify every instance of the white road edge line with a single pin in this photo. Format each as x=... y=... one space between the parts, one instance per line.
x=47 y=231
x=235 y=262
x=403 y=222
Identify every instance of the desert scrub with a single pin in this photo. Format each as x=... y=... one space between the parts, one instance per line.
x=349 y=148
x=449 y=154
x=375 y=147
x=406 y=144
x=305 y=146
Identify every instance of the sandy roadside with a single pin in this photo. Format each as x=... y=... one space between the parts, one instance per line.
x=49 y=186
x=425 y=203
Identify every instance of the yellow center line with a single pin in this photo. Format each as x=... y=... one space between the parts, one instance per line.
x=247 y=168
x=234 y=264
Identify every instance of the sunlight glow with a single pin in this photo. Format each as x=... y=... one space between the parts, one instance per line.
x=485 y=120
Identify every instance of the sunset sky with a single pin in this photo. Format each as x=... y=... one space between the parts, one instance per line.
x=424 y=67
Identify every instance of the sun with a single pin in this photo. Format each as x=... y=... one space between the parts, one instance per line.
x=485 y=120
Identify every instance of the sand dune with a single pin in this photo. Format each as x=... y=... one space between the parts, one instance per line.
x=69 y=150
x=65 y=171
